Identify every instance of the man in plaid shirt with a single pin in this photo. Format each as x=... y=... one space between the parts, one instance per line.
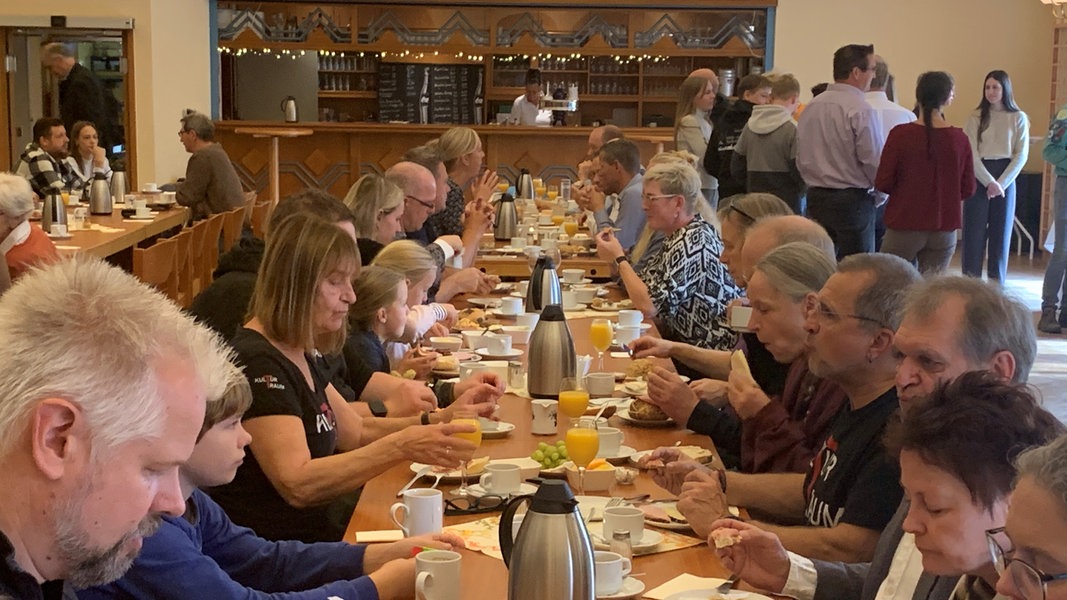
x=45 y=162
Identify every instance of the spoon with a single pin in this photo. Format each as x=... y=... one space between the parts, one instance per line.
x=420 y=473
x=436 y=480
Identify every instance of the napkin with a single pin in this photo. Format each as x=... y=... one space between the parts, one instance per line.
x=683 y=583
x=383 y=535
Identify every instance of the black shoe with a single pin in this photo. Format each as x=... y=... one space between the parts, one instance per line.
x=1048 y=323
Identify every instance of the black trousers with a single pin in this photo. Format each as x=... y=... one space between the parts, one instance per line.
x=848 y=216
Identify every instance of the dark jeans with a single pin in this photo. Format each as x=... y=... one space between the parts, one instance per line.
x=847 y=215
x=987 y=226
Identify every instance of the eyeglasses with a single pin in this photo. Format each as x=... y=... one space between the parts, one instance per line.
x=469 y=505
x=826 y=313
x=423 y=203
x=181 y=131
x=1029 y=581
x=650 y=198
x=733 y=208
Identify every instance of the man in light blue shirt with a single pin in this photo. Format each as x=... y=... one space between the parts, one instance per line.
x=619 y=173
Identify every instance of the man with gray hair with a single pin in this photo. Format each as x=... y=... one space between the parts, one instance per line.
x=211 y=185
x=81 y=95
x=102 y=396
x=890 y=114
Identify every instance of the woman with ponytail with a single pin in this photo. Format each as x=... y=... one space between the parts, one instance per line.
x=927 y=171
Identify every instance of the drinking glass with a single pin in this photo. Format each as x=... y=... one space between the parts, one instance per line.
x=573 y=398
x=570 y=225
x=472 y=436
x=583 y=443
x=600 y=335
x=553 y=192
x=502 y=187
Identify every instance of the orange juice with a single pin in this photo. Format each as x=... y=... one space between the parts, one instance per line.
x=557 y=219
x=582 y=445
x=600 y=334
x=539 y=192
x=552 y=195
x=66 y=197
x=571 y=227
x=573 y=402
x=472 y=436
x=502 y=187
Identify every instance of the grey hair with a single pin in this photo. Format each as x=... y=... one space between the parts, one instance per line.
x=676 y=177
x=200 y=124
x=407 y=257
x=797 y=269
x=90 y=333
x=756 y=205
x=992 y=320
x=16 y=196
x=53 y=49
x=370 y=197
x=891 y=278
x=1048 y=466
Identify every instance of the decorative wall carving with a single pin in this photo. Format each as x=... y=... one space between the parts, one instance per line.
x=458 y=22
x=749 y=27
x=614 y=35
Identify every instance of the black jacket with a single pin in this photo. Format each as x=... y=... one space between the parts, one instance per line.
x=223 y=306
x=721 y=147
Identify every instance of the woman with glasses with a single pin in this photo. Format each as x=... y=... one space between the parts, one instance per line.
x=378 y=206
x=310 y=449
x=1030 y=551
x=685 y=287
x=461 y=151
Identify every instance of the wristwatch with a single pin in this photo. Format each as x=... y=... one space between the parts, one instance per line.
x=377 y=408
x=621 y=259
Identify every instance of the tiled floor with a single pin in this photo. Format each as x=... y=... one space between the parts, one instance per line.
x=1049 y=374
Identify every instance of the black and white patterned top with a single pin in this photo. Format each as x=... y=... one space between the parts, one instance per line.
x=450 y=220
x=690 y=288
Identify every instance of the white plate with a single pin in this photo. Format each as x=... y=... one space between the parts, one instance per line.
x=496 y=312
x=56 y=236
x=672 y=525
x=136 y=218
x=502 y=430
x=484 y=302
x=710 y=593
x=635 y=388
x=702 y=455
x=624 y=414
x=649 y=539
x=529 y=467
x=630 y=588
x=623 y=453
x=478 y=491
x=576 y=307
x=515 y=353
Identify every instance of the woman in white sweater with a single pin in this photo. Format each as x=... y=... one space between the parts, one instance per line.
x=999 y=135
x=692 y=129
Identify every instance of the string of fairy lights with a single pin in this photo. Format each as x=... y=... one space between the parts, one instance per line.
x=518 y=59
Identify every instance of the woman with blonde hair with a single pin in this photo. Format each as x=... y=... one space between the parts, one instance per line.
x=377 y=205
x=310 y=448
x=379 y=315
x=461 y=151
x=692 y=127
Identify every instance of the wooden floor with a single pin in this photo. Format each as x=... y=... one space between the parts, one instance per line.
x=1049 y=375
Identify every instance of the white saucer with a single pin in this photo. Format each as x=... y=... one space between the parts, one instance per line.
x=136 y=218
x=56 y=236
x=623 y=453
x=484 y=302
x=576 y=307
x=499 y=313
x=502 y=429
x=649 y=539
x=515 y=353
x=582 y=282
x=476 y=490
x=630 y=587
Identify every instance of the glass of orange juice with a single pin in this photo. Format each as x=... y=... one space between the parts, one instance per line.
x=553 y=192
x=570 y=226
x=600 y=335
x=471 y=436
x=502 y=187
x=583 y=442
x=573 y=397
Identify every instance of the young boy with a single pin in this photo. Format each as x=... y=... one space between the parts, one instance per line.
x=765 y=157
x=202 y=554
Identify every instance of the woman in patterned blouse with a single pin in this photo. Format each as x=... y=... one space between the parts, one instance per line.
x=685 y=287
x=461 y=151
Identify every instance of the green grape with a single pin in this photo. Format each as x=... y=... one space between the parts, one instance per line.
x=561 y=444
x=538 y=455
x=542 y=446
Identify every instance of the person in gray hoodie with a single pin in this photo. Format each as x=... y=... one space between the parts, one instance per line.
x=765 y=157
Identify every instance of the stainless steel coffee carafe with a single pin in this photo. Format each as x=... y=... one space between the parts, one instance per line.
x=544 y=286
x=551 y=354
x=100 y=195
x=119 y=186
x=507 y=219
x=53 y=211
x=551 y=558
x=524 y=186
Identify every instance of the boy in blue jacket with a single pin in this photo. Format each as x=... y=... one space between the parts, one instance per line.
x=202 y=554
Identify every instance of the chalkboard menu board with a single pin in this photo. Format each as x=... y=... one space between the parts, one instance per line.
x=418 y=93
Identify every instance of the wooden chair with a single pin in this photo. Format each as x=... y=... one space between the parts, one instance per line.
x=157 y=266
x=232 y=225
x=260 y=216
x=184 y=266
x=197 y=249
x=211 y=248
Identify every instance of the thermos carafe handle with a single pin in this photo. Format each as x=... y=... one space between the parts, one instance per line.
x=507 y=521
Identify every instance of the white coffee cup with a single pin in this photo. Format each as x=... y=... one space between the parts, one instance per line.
x=170 y=197
x=510 y=305
x=501 y=479
x=600 y=384
x=139 y=203
x=626 y=518
x=739 y=317
x=149 y=188
x=143 y=212
x=529 y=319
x=573 y=275
x=544 y=220
x=625 y=335
x=570 y=299
x=423 y=512
x=437 y=575
x=585 y=294
x=518 y=242
x=611 y=570
x=59 y=229
x=630 y=318
x=522 y=287
x=497 y=344
x=544 y=417
x=468 y=368
x=499 y=368
x=610 y=441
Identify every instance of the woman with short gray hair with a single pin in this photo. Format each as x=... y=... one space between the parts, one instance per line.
x=23 y=244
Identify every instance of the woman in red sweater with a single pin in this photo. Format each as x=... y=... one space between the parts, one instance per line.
x=22 y=243
x=927 y=171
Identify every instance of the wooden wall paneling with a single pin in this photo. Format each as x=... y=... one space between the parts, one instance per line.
x=131 y=106
x=6 y=160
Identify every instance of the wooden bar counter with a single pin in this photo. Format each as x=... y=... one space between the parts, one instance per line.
x=335 y=155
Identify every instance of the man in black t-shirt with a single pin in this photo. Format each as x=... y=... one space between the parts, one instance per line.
x=852 y=489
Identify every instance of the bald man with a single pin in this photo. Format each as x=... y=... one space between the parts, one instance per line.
x=771 y=232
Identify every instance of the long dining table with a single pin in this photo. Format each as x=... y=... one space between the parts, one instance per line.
x=485 y=577
x=114 y=234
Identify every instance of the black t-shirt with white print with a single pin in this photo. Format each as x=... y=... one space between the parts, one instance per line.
x=279 y=388
x=852 y=480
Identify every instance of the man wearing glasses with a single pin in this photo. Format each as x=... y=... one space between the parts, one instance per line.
x=211 y=185
x=839 y=145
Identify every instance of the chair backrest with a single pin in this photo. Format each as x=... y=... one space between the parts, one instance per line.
x=184 y=266
x=211 y=247
x=197 y=246
x=260 y=216
x=233 y=223
x=157 y=266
